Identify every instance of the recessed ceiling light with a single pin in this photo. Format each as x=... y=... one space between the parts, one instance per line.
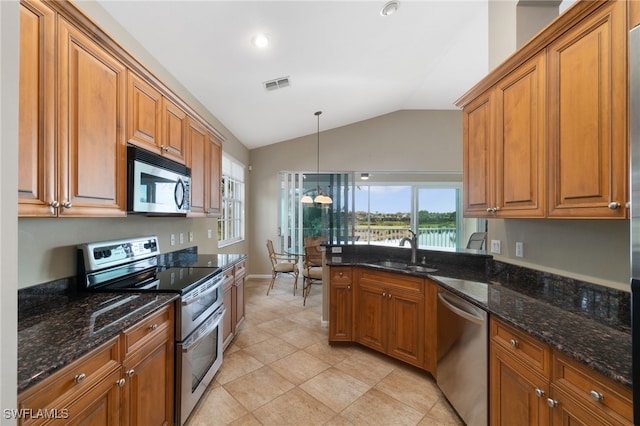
x=390 y=8
x=260 y=40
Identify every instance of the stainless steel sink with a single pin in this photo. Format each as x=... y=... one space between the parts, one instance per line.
x=404 y=266
x=391 y=264
x=420 y=268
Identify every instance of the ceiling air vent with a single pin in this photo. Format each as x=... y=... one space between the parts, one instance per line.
x=278 y=83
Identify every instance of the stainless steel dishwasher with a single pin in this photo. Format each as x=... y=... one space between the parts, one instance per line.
x=462 y=371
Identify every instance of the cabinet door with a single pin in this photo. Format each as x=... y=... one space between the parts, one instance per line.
x=568 y=411
x=588 y=117
x=197 y=137
x=238 y=294
x=228 y=326
x=91 y=144
x=516 y=394
x=406 y=327
x=36 y=140
x=520 y=141
x=149 y=390
x=214 y=180
x=99 y=406
x=144 y=114
x=174 y=128
x=340 y=305
x=371 y=329
x=478 y=134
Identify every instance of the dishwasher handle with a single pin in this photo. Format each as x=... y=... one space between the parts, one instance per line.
x=462 y=308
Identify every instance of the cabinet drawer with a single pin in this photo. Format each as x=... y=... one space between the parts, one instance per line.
x=147 y=329
x=240 y=269
x=526 y=348
x=341 y=275
x=228 y=279
x=591 y=387
x=66 y=385
x=393 y=282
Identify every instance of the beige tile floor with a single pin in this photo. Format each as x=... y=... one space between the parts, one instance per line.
x=280 y=370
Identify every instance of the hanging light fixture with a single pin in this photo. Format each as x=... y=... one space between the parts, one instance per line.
x=320 y=197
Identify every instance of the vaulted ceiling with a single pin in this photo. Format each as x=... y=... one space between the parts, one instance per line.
x=341 y=57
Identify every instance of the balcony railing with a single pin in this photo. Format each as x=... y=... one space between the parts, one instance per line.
x=427 y=237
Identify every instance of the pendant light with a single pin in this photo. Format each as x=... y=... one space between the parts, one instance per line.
x=320 y=198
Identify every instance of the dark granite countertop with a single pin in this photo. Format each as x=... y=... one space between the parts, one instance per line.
x=58 y=324
x=588 y=322
x=52 y=335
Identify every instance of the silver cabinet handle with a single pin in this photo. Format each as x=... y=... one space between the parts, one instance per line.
x=596 y=396
x=348 y=287
x=120 y=382
x=614 y=205
x=54 y=204
x=514 y=343
x=130 y=373
x=79 y=377
x=539 y=393
x=489 y=210
x=67 y=205
x=552 y=403
x=389 y=295
x=384 y=294
x=153 y=327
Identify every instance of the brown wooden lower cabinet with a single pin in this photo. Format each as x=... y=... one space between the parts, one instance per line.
x=233 y=300
x=128 y=380
x=390 y=313
x=526 y=389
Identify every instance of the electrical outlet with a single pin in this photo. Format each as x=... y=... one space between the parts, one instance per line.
x=495 y=246
x=172 y=240
x=519 y=249
x=190 y=236
x=336 y=250
x=209 y=233
x=182 y=238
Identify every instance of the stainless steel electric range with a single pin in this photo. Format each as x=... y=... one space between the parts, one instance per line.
x=131 y=265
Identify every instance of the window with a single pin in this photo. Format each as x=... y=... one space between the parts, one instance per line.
x=231 y=222
x=384 y=212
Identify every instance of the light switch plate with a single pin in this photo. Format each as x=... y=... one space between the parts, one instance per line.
x=519 y=249
x=495 y=246
x=336 y=250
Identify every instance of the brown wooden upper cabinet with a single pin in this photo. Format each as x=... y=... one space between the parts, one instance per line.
x=74 y=166
x=214 y=179
x=154 y=122
x=79 y=106
x=545 y=134
x=588 y=117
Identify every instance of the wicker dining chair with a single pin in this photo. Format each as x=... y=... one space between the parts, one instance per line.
x=282 y=263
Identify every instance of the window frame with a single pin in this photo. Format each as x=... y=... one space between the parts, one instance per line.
x=231 y=223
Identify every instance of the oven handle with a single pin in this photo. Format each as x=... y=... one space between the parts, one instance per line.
x=217 y=282
x=210 y=325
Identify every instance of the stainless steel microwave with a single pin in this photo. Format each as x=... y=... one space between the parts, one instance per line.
x=156 y=185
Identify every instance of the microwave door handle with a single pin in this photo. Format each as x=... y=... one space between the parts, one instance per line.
x=179 y=185
x=214 y=323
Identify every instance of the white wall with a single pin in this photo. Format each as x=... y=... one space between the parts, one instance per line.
x=9 y=27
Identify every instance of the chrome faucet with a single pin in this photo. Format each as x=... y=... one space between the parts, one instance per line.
x=413 y=242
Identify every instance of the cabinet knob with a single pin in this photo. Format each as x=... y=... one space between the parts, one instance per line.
x=120 y=382
x=514 y=343
x=539 y=393
x=79 y=377
x=384 y=294
x=130 y=373
x=552 y=403
x=340 y=274
x=153 y=327
x=348 y=287
x=67 y=205
x=489 y=210
x=614 y=205
x=596 y=396
x=54 y=204
x=389 y=295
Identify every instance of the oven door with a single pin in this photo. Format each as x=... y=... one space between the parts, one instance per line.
x=199 y=304
x=198 y=359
